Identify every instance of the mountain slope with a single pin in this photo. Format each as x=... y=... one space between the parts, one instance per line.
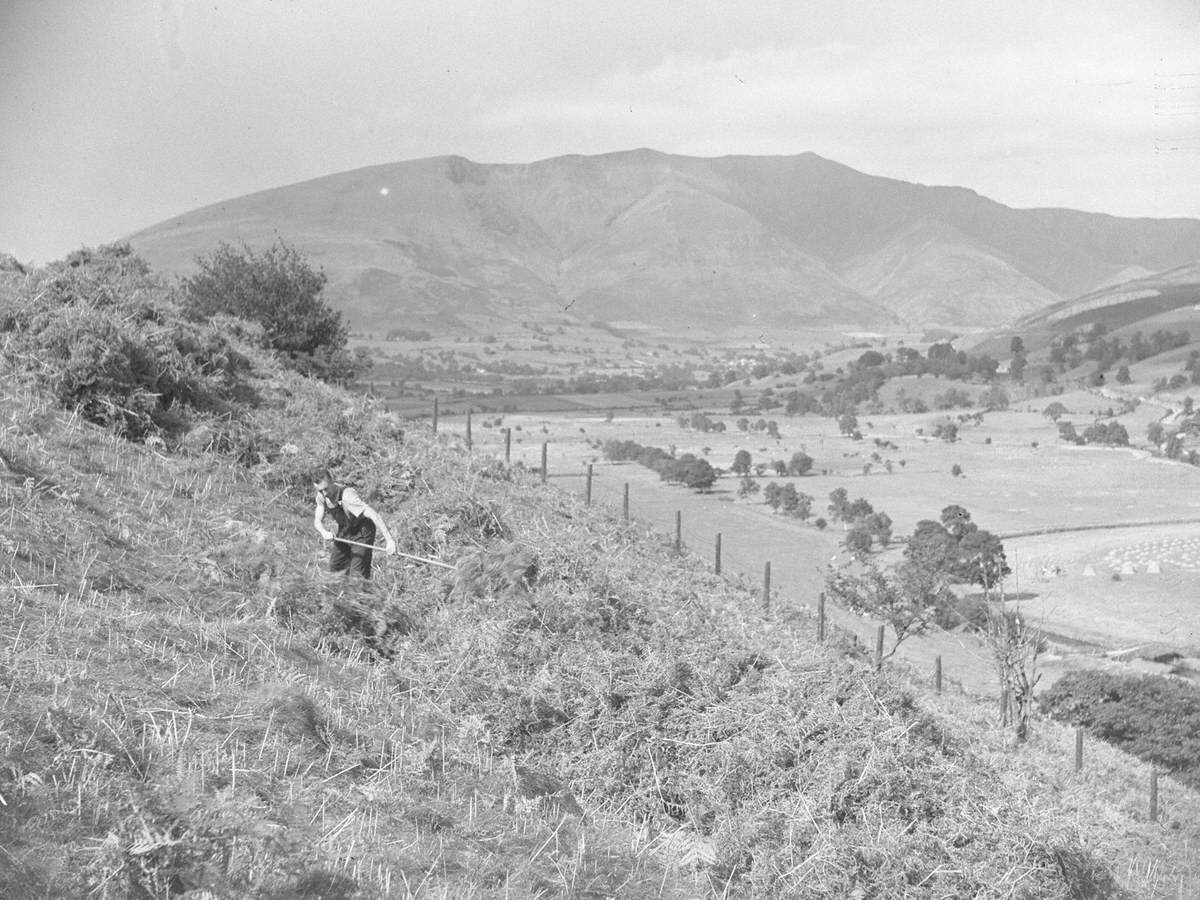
x=668 y=240
x=1142 y=302
x=931 y=273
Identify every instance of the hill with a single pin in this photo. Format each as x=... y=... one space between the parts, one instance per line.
x=674 y=241
x=189 y=707
x=1134 y=302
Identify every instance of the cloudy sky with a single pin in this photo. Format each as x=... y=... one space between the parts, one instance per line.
x=114 y=116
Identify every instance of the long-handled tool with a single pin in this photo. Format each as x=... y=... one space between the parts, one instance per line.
x=432 y=562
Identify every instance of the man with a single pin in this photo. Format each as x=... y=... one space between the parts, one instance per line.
x=355 y=521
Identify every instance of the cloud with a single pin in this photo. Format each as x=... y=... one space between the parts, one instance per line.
x=909 y=107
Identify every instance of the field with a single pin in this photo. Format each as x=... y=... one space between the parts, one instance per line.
x=1071 y=517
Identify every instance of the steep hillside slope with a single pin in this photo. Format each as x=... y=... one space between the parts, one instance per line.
x=664 y=240
x=189 y=707
x=930 y=273
x=1134 y=303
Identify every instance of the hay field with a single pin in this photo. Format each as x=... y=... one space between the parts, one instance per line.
x=1152 y=599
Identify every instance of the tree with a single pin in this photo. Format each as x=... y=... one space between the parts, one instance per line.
x=859 y=510
x=839 y=504
x=994 y=397
x=1016 y=647
x=908 y=599
x=281 y=291
x=880 y=527
x=741 y=463
x=795 y=503
x=946 y=430
x=772 y=495
x=858 y=541
x=980 y=560
x=958 y=549
x=1055 y=411
x=1155 y=433
x=800 y=463
x=956 y=520
x=931 y=547
x=1113 y=433
x=699 y=475
x=1123 y=376
x=847 y=423
x=1016 y=346
x=747 y=487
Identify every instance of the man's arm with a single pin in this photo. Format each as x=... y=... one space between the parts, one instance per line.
x=319 y=521
x=389 y=543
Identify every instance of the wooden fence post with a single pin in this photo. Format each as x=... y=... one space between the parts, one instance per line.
x=678 y=531
x=625 y=504
x=937 y=674
x=1003 y=707
x=879 y=648
x=821 y=617
x=766 y=597
x=1153 y=795
x=469 y=429
x=435 y=415
x=508 y=445
x=544 y=466
x=589 y=485
x=1078 y=749
x=717 y=555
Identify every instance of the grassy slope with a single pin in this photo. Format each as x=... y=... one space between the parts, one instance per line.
x=187 y=703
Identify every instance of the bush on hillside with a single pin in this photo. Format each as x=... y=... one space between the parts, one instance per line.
x=103 y=336
x=281 y=291
x=908 y=598
x=1156 y=719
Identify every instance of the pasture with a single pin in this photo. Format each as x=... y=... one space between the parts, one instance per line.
x=1037 y=497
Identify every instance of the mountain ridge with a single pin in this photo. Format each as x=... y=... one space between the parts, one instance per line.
x=666 y=239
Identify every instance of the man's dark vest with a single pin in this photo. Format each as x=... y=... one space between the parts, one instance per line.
x=347 y=524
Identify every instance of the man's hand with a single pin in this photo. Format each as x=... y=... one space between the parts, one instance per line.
x=389 y=547
x=327 y=535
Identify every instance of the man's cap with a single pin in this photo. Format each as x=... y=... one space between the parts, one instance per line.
x=320 y=474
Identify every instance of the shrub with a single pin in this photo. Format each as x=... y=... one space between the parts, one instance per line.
x=1112 y=433
x=800 y=463
x=104 y=337
x=1156 y=719
x=282 y=292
